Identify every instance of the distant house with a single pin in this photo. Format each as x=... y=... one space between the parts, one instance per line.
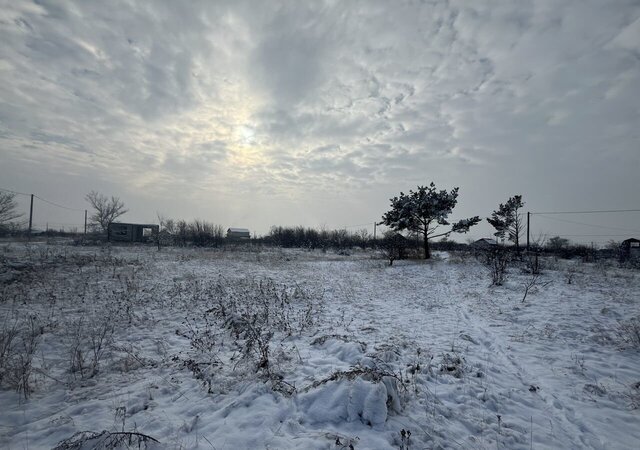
x=485 y=243
x=238 y=233
x=132 y=232
x=630 y=249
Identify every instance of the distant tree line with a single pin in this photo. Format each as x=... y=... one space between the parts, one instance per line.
x=417 y=214
x=198 y=232
x=312 y=238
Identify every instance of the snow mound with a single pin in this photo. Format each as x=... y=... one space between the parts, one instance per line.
x=351 y=400
x=341 y=347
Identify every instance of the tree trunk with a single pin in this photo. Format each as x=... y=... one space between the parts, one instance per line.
x=427 y=253
x=517 y=234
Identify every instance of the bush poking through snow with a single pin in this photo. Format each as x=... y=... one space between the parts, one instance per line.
x=18 y=344
x=290 y=310
x=89 y=343
x=533 y=263
x=452 y=365
x=405 y=439
x=367 y=373
x=498 y=259
x=252 y=312
x=633 y=395
x=106 y=440
x=8 y=335
x=532 y=283
x=629 y=332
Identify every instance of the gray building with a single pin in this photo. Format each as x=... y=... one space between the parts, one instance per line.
x=630 y=249
x=132 y=232
x=238 y=233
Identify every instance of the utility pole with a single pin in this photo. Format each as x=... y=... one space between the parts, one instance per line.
x=528 y=222
x=85 y=222
x=30 y=216
x=375 y=229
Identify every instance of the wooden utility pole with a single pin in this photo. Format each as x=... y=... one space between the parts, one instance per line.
x=30 y=216
x=528 y=223
x=85 y=222
x=375 y=225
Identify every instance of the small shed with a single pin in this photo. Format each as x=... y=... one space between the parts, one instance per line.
x=238 y=233
x=630 y=249
x=132 y=232
x=485 y=243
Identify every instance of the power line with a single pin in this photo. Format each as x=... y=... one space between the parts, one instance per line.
x=56 y=204
x=42 y=199
x=591 y=235
x=59 y=223
x=589 y=212
x=14 y=192
x=589 y=225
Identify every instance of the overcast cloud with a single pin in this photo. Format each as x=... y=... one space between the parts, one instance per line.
x=260 y=113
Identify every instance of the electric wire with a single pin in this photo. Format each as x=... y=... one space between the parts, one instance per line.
x=41 y=199
x=589 y=225
x=14 y=192
x=56 y=204
x=587 y=212
x=591 y=235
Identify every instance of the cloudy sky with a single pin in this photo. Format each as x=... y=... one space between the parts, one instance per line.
x=316 y=113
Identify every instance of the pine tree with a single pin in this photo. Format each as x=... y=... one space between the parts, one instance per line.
x=424 y=211
x=507 y=220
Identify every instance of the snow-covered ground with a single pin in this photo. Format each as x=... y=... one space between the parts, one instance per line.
x=267 y=348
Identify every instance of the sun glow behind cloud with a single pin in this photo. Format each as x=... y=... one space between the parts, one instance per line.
x=346 y=101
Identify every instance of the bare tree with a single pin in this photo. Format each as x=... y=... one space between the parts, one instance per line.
x=107 y=209
x=8 y=208
x=167 y=225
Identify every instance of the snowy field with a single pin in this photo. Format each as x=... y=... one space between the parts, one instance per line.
x=270 y=348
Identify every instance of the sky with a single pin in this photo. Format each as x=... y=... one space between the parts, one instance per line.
x=253 y=114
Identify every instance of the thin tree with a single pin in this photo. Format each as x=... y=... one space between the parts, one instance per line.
x=8 y=208
x=424 y=211
x=107 y=210
x=508 y=221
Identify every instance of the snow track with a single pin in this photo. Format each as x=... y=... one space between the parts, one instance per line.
x=547 y=406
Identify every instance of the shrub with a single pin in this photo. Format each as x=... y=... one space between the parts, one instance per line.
x=628 y=332
x=18 y=345
x=394 y=246
x=106 y=440
x=498 y=259
x=89 y=342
